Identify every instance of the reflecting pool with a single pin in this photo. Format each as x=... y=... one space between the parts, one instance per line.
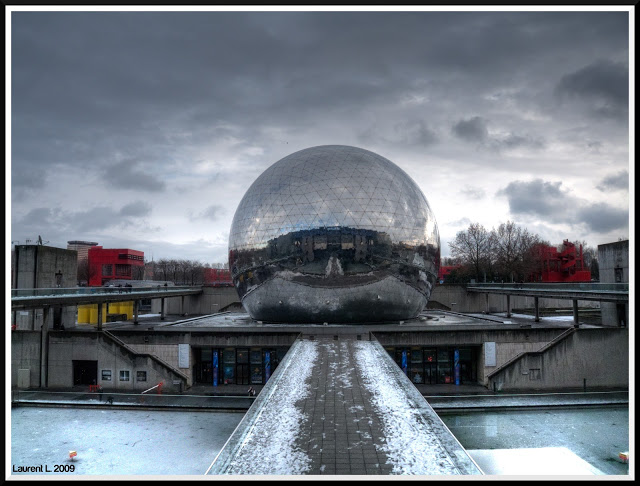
x=596 y=435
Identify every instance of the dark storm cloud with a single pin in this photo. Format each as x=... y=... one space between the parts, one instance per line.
x=126 y=175
x=547 y=201
x=130 y=96
x=136 y=209
x=52 y=220
x=602 y=218
x=40 y=217
x=476 y=130
x=619 y=181
x=603 y=86
x=535 y=197
x=28 y=177
x=406 y=133
x=25 y=178
x=512 y=141
x=472 y=130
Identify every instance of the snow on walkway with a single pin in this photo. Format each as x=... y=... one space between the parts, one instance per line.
x=269 y=446
x=411 y=444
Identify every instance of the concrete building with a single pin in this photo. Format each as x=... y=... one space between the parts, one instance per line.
x=43 y=267
x=106 y=264
x=82 y=247
x=613 y=260
x=439 y=349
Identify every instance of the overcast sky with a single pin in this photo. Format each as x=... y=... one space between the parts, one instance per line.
x=143 y=130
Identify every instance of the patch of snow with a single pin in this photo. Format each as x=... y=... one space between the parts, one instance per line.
x=269 y=447
x=411 y=445
x=545 y=318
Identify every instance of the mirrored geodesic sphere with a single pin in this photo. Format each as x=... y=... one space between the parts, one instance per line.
x=334 y=234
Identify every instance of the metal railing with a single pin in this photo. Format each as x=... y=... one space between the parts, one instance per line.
x=569 y=286
x=75 y=291
x=107 y=398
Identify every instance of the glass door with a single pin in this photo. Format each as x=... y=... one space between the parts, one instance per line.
x=430 y=366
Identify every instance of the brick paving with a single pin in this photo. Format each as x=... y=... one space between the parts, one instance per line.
x=342 y=432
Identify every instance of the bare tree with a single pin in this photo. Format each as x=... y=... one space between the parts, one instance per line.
x=513 y=250
x=83 y=271
x=162 y=269
x=137 y=272
x=473 y=248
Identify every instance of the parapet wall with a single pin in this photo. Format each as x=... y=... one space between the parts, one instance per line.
x=66 y=347
x=456 y=298
x=597 y=358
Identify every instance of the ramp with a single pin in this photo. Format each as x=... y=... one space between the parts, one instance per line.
x=340 y=406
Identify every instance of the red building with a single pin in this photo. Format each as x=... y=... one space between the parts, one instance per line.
x=109 y=264
x=446 y=270
x=217 y=277
x=561 y=265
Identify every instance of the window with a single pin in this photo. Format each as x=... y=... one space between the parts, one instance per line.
x=123 y=270
x=141 y=375
x=242 y=356
x=106 y=375
x=107 y=270
x=124 y=375
x=256 y=356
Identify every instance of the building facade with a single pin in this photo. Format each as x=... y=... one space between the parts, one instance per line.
x=613 y=260
x=82 y=248
x=43 y=267
x=107 y=264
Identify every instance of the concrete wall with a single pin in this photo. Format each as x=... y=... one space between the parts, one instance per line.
x=25 y=355
x=212 y=300
x=36 y=266
x=456 y=298
x=165 y=345
x=167 y=353
x=599 y=356
x=612 y=256
x=64 y=347
x=219 y=338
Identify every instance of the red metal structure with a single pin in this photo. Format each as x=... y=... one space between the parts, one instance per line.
x=109 y=264
x=561 y=265
x=217 y=277
x=446 y=270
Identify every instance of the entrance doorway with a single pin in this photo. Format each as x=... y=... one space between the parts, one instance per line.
x=85 y=372
x=242 y=374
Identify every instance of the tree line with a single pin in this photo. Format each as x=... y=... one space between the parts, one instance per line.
x=508 y=253
x=180 y=271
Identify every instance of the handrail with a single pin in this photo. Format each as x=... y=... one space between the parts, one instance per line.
x=569 y=286
x=75 y=291
x=547 y=346
x=152 y=356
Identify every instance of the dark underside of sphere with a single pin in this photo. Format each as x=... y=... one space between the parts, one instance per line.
x=334 y=234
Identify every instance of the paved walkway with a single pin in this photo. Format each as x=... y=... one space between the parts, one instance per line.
x=341 y=407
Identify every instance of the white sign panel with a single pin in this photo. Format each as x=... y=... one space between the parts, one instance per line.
x=489 y=354
x=183 y=356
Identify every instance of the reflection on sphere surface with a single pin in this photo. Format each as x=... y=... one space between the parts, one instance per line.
x=334 y=234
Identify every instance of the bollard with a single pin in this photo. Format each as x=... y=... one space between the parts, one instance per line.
x=584 y=384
